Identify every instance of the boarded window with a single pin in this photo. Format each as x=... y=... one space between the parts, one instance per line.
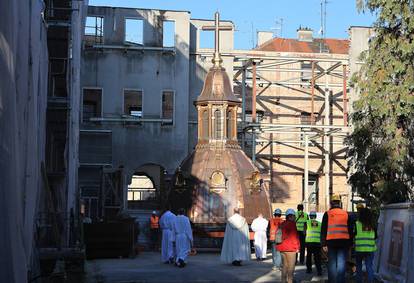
x=133 y=103
x=168 y=33
x=167 y=105
x=134 y=34
x=95 y=147
x=92 y=103
x=94 y=30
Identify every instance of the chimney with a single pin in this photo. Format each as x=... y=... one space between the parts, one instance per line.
x=305 y=34
x=263 y=36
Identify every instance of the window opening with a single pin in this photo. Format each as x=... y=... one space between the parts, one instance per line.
x=218 y=125
x=134 y=34
x=168 y=33
x=133 y=103
x=94 y=30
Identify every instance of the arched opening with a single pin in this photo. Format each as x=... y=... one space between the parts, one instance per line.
x=146 y=187
x=141 y=188
x=218 y=125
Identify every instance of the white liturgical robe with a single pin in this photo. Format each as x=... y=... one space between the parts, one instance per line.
x=259 y=227
x=236 y=244
x=166 y=225
x=182 y=236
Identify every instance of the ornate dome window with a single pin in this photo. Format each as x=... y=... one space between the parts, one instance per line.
x=218 y=180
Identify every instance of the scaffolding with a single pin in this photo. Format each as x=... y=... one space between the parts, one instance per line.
x=322 y=77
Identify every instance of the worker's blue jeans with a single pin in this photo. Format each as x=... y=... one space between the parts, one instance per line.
x=337 y=264
x=368 y=259
x=276 y=256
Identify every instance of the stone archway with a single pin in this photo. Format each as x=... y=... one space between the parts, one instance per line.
x=145 y=187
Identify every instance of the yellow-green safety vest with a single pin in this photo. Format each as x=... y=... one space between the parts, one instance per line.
x=300 y=221
x=364 y=240
x=313 y=232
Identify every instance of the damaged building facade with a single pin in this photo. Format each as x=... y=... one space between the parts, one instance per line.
x=141 y=72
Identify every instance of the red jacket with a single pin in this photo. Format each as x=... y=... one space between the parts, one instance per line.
x=274 y=224
x=290 y=237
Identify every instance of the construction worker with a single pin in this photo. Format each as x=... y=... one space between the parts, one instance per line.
x=274 y=226
x=313 y=243
x=365 y=246
x=301 y=218
x=154 y=229
x=336 y=238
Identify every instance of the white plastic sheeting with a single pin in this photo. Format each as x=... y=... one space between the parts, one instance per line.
x=23 y=98
x=394 y=260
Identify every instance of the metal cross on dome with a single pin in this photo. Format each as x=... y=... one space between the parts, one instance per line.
x=217 y=28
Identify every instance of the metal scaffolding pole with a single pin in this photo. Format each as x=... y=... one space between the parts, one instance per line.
x=326 y=143
x=345 y=102
x=243 y=137
x=306 y=173
x=254 y=93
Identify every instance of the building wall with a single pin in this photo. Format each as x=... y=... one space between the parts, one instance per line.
x=359 y=37
x=151 y=71
x=23 y=97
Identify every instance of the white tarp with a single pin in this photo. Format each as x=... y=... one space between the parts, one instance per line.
x=394 y=260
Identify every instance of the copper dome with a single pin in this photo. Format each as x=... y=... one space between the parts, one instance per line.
x=217 y=87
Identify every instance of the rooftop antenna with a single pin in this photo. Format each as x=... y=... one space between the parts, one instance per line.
x=278 y=27
x=322 y=30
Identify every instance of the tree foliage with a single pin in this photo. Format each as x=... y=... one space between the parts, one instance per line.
x=381 y=153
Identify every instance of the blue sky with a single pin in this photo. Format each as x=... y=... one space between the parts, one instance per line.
x=249 y=16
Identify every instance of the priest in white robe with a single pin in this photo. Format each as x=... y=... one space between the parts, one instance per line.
x=236 y=244
x=167 y=248
x=259 y=227
x=183 y=238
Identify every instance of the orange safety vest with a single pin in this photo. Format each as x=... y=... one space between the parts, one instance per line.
x=337 y=225
x=154 y=222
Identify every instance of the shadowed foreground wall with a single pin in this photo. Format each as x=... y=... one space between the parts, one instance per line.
x=23 y=96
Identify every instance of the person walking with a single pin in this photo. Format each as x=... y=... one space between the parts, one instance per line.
x=259 y=227
x=313 y=243
x=236 y=243
x=336 y=238
x=183 y=237
x=166 y=224
x=274 y=226
x=289 y=246
x=301 y=218
x=154 y=229
x=365 y=246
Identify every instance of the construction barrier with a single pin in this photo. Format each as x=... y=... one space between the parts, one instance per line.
x=394 y=259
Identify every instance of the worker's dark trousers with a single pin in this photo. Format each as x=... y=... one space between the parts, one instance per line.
x=302 y=247
x=315 y=250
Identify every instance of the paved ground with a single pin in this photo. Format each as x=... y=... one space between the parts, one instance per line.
x=202 y=268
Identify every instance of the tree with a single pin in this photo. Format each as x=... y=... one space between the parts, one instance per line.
x=381 y=146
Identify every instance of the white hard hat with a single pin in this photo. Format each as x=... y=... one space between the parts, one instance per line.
x=154 y=212
x=290 y=212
